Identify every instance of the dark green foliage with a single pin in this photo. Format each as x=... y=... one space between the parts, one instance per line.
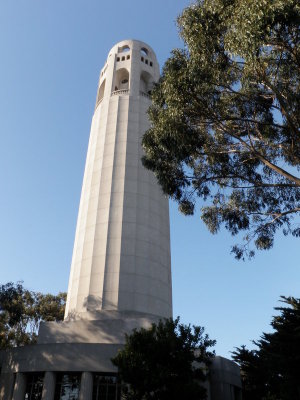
x=50 y=307
x=225 y=118
x=167 y=361
x=272 y=371
x=21 y=312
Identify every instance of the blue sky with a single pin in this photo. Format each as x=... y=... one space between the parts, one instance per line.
x=51 y=55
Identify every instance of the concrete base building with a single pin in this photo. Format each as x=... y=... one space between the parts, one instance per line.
x=120 y=276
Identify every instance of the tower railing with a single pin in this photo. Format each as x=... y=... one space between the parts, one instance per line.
x=121 y=91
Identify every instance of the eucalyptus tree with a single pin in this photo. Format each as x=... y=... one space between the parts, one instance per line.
x=21 y=312
x=225 y=119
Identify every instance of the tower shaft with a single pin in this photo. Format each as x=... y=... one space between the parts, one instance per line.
x=121 y=256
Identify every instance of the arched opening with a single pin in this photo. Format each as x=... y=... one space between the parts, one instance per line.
x=144 y=51
x=123 y=49
x=101 y=91
x=146 y=83
x=121 y=81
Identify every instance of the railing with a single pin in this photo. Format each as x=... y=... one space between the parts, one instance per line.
x=145 y=95
x=121 y=91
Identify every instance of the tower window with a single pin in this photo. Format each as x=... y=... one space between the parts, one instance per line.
x=121 y=79
x=67 y=386
x=151 y=63
x=146 y=61
x=142 y=59
x=123 y=58
x=34 y=386
x=128 y=57
x=101 y=92
x=118 y=58
x=106 y=387
x=123 y=49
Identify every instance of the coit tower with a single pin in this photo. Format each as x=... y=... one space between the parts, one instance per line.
x=121 y=257
x=121 y=274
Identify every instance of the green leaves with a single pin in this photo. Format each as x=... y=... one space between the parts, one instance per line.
x=21 y=312
x=169 y=360
x=50 y=307
x=225 y=118
x=272 y=371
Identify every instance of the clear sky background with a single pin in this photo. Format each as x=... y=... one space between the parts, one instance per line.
x=51 y=56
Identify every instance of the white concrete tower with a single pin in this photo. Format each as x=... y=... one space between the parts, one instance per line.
x=120 y=275
x=121 y=256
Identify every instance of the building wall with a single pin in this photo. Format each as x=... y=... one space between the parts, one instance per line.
x=225 y=380
x=223 y=383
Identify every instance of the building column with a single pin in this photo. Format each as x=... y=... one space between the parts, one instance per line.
x=86 y=386
x=49 y=386
x=7 y=381
x=20 y=387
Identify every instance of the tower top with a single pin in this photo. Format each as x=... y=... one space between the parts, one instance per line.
x=135 y=45
x=131 y=68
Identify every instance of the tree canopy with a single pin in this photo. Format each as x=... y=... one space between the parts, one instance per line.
x=21 y=312
x=225 y=120
x=272 y=371
x=167 y=361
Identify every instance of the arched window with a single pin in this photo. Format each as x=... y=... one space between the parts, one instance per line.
x=123 y=49
x=121 y=80
x=101 y=91
x=146 y=82
x=144 y=51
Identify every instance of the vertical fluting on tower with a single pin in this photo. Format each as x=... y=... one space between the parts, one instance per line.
x=121 y=257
